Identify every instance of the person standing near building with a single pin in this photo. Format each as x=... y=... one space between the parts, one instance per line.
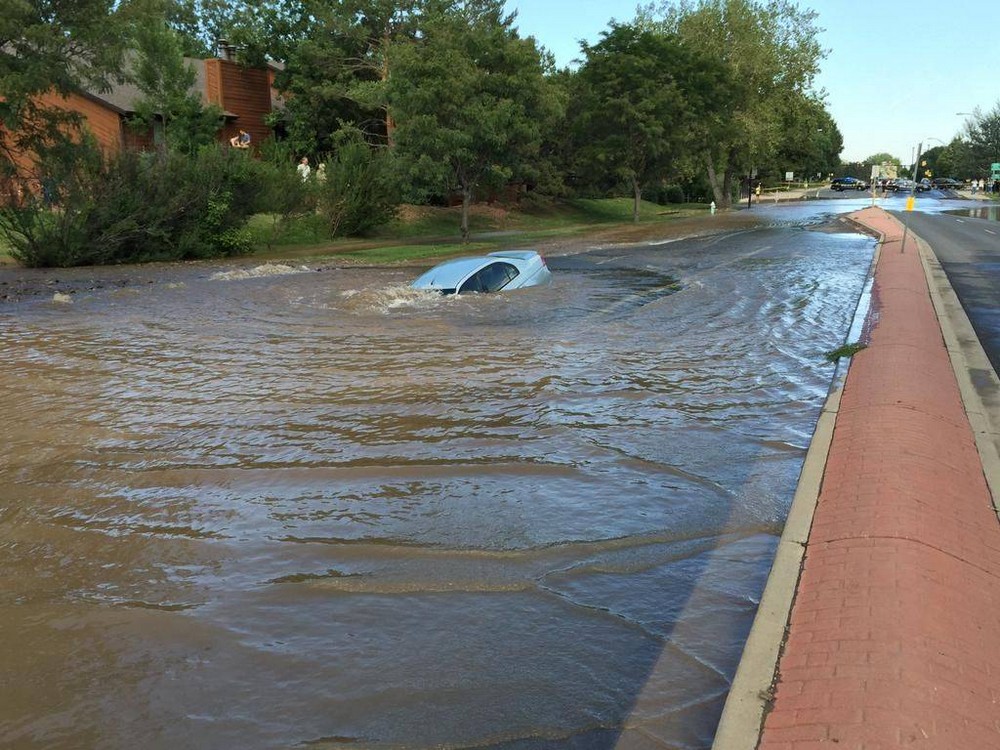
x=304 y=169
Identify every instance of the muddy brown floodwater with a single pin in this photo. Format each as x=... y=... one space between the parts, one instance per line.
x=282 y=506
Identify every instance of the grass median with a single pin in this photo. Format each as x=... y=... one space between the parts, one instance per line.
x=423 y=233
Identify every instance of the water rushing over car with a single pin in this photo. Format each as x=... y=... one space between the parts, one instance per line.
x=502 y=270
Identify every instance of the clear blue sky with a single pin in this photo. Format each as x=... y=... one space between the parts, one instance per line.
x=896 y=74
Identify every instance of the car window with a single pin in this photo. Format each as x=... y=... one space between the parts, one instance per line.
x=492 y=278
x=472 y=284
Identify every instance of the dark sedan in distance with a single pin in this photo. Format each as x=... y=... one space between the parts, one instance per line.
x=847 y=183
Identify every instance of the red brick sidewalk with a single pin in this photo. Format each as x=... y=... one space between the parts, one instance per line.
x=894 y=635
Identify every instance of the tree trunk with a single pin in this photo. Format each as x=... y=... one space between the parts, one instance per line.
x=390 y=123
x=721 y=195
x=637 y=197
x=466 y=202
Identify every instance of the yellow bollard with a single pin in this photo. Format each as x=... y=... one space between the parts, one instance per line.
x=909 y=203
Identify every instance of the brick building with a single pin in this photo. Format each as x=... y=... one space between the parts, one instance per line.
x=245 y=95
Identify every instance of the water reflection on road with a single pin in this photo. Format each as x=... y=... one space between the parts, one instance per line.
x=273 y=509
x=989 y=212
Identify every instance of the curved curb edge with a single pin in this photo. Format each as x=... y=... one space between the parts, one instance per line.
x=751 y=693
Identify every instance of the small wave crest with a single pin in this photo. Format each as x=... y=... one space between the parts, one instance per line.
x=267 y=269
x=395 y=297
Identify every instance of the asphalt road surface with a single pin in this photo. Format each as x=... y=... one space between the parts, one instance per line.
x=969 y=251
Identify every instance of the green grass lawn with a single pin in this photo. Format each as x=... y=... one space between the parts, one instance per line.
x=6 y=259
x=422 y=232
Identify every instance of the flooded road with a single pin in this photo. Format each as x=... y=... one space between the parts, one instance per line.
x=284 y=507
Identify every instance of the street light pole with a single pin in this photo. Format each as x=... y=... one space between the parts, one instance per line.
x=912 y=199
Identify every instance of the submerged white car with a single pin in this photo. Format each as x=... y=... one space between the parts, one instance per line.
x=502 y=270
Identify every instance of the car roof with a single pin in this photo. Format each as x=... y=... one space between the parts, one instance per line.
x=449 y=274
x=516 y=254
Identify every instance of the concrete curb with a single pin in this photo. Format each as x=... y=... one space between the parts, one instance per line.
x=977 y=380
x=753 y=691
x=750 y=695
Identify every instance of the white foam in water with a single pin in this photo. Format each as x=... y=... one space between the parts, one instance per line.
x=61 y=298
x=268 y=269
x=394 y=297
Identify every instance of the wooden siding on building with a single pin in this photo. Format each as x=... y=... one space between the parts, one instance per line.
x=245 y=92
x=103 y=122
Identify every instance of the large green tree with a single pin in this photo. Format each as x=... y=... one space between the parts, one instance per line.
x=158 y=68
x=468 y=96
x=334 y=58
x=51 y=46
x=642 y=96
x=771 y=51
x=982 y=139
x=883 y=157
x=812 y=142
x=956 y=160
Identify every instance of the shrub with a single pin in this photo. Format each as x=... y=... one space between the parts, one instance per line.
x=138 y=207
x=673 y=194
x=282 y=197
x=664 y=194
x=360 y=188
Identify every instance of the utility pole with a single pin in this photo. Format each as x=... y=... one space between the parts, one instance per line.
x=912 y=199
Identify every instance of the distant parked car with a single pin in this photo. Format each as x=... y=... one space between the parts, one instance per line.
x=900 y=184
x=502 y=270
x=946 y=183
x=924 y=185
x=847 y=183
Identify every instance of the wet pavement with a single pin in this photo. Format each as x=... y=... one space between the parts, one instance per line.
x=967 y=244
